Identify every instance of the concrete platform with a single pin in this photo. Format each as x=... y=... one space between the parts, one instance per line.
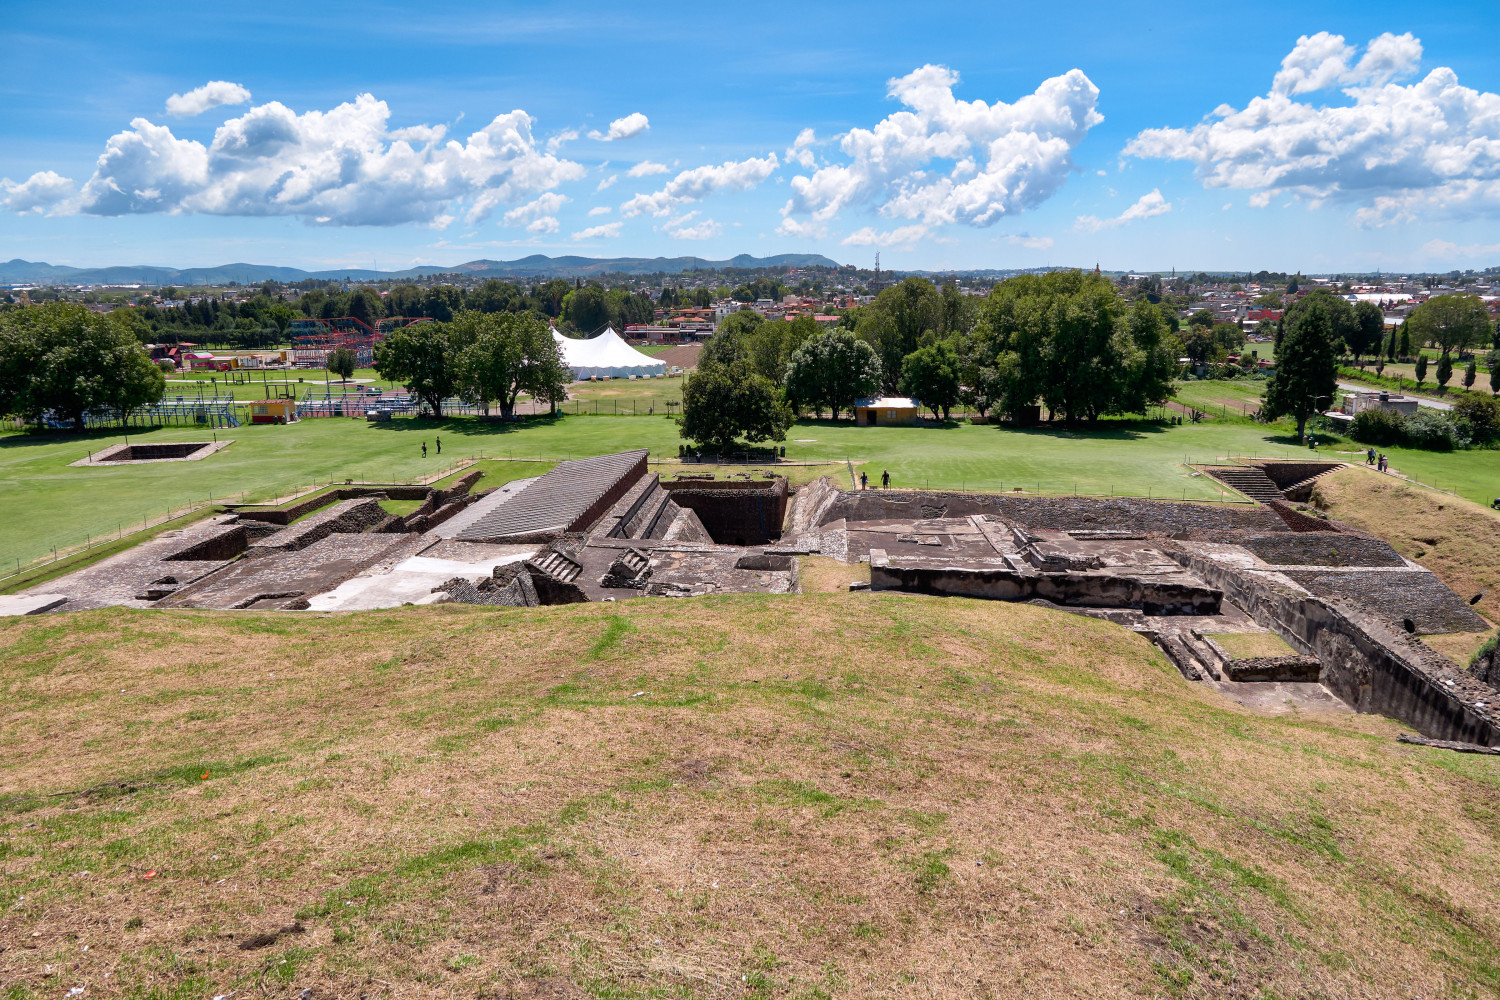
x=411 y=581
x=30 y=604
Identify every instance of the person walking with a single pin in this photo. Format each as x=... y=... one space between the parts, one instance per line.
x=864 y=481
x=440 y=445
x=1370 y=456
x=424 y=449
x=885 y=479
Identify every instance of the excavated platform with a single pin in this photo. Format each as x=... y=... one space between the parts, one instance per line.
x=569 y=497
x=274 y=580
x=119 y=579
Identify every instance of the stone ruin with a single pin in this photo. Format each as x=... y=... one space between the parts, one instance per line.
x=1341 y=613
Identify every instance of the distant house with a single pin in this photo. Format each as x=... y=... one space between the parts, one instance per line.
x=1358 y=402
x=898 y=410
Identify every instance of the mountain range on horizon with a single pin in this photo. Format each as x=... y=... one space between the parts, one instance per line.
x=20 y=271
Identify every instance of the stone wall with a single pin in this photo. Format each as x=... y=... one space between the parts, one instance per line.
x=1391 y=595
x=345 y=517
x=1115 y=514
x=225 y=543
x=1369 y=666
x=1152 y=595
x=1321 y=549
x=734 y=513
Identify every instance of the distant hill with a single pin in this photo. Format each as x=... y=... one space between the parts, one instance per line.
x=536 y=266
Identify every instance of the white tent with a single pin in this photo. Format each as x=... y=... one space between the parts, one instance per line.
x=605 y=354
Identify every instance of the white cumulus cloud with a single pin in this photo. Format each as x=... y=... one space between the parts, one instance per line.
x=600 y=210
x=213 y=94
x=344 y=167
x=546 y=224
x=545 y=205
x=42 y=190
x=647 y=169
x=800 y=151
x=698 y=183
x=608 y=230
x=1005 y=157
x=607 y=182
x=554 y=143
x=902 y=236
x=1146 y=206
x=1391 y=151
x=623 y=128
x=679 y=229
x=805 y=230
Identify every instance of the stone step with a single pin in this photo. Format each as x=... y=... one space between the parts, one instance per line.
x=1252 y=482
x=559 y=566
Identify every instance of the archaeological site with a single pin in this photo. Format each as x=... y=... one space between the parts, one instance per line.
x=1270 y=604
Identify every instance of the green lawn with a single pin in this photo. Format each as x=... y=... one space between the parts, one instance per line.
x=1221 y=397
x=49 y=503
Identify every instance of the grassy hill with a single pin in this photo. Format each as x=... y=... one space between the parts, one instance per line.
x=814 y=796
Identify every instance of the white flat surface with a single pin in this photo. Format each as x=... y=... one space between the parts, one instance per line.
x=29 y=604
x=408 y=582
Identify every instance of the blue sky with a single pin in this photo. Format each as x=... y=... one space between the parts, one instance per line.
x=1350 y=136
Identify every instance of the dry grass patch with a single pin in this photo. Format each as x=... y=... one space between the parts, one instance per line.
x=823 y=575
x=1459 y=647
x=807 y=796
x=1457 y=539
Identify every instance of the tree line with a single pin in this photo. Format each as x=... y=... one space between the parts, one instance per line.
x=1067 y=340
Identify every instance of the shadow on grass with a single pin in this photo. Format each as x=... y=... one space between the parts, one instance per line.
x=33 y=437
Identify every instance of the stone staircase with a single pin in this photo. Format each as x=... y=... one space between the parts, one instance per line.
x=1249 y=480
x=558 y=566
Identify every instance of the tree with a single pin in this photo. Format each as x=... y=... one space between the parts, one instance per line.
x=931 y=375
x=1067 y=338
x=731 y=339
x=424 y=358
x=365 y=306
x=1368 y=330
x=1444 y=370
x=722 y=403
x=831 y=370
x=1421 y=368
x=1203 y=318
x=340 y=362
x=894 y=323
x=1306 y=360
x=586 y=309
x=1479 y=417
x=1450 y=322
x=1471 y=372
x=1405 y=345
x=63 y=359
x=507 y=354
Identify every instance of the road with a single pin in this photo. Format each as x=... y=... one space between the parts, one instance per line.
x=1421 y=401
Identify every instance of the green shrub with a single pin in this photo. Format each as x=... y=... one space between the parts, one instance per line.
x=1378 y=427
x=1433 y=430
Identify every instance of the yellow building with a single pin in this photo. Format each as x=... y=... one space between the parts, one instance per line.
x=898 y=410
